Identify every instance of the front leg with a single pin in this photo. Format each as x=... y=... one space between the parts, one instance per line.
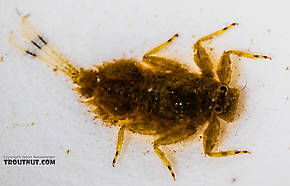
x=224 y=70
x=210 y=138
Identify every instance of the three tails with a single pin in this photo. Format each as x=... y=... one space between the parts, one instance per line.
x=46 y=52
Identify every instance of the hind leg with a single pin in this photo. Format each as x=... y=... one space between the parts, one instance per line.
x=121 y=132
x=119 y=144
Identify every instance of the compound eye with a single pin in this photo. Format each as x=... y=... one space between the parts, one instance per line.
x=218 y=109
x=223 y=88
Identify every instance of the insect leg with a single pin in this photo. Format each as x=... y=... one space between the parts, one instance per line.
x=174 y=136
x=224 y=69
x=123 y=124
x=163 y=158
x=210 y=138
x=159 y=47
x=201 y=57
x=119 y=144
x=162 y=63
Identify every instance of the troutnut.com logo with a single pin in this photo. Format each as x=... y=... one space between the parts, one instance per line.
x=11 y=160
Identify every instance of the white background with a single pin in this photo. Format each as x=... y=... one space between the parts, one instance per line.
x=89 y=32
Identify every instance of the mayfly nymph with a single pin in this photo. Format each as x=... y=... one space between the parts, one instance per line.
x=161 y=98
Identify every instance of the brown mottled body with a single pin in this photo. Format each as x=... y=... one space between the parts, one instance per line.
x=157 y=97
x=156 y=100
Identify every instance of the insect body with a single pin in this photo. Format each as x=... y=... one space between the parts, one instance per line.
x=160 y=98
